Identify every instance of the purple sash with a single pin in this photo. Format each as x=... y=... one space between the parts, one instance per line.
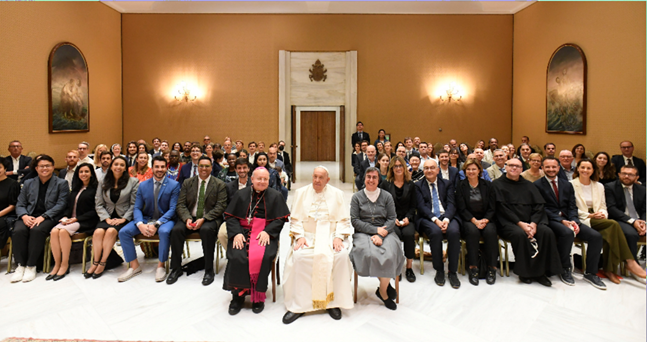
x=256 y=253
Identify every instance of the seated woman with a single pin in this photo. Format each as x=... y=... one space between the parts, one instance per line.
x=380 y=147
x=388 y=149
x=96 y=157
x=381 y=138
x=398 y=183
x=141 y=170
x=454 y=159
x=208 y=151
x=534 y=172
x=9 y=191
x=512 y=152
x=80 y=217
x=115 y=149
x=177 y=146
x=376 y=250
x=465 y=151
x=592 y=211
x=476 y=209
x=114 y=203
x=275 y=181
x=606 y=169
x=141 y=147
x=480 y=144
x=383 y=161
x=579 y=153
x=228 y=174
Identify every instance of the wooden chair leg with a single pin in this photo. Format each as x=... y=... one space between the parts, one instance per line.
x=397 y=290
x=500 y=259
x=188 y=250
x=278 y=271
x=85 y=253
x=355 y=288
x=507 y=261
x=217 y=256
x=273 y=283
x=461 y=259
x=583 y=258
x=46 y=259
x=9 y=256
x=421 y=245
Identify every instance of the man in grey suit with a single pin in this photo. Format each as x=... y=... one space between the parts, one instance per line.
x=41 y=204
x=200 y=207
x=497 y=169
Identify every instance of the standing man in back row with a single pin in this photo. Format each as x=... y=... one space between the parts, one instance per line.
x=360 y=135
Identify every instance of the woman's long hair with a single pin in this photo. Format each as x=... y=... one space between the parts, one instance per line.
x=609 y=170
x=109 y=178
x=77 y=183
x=135 y=168
x=258 y=154
x=390 y=176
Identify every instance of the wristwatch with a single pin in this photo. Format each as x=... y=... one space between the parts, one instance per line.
x=157 y=224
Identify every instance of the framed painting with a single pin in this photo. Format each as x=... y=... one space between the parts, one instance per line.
x=387 y=137
x=566 y=91
x=69 y=97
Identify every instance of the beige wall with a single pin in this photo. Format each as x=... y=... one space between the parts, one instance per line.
x=233 y=60
x=28 y=32
x=612 y=36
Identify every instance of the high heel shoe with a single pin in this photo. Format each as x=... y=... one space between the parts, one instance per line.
x=88 y=275
x=98 y=275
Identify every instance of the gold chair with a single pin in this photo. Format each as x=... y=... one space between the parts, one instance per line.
x=9 y=255
x=421 y=244
x=80 y=237
x=579 y=243
x=623 y=268
x=397 y=288
x=145 y=242
x=481 y=241
x=507 y=263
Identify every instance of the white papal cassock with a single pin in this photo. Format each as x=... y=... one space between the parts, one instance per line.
x=317 y=277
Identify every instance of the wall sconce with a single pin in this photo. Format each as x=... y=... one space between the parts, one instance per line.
x=184 y=93
x=452 y=93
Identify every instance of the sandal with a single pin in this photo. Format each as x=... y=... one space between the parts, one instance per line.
x=87 y=274
x=98 y=275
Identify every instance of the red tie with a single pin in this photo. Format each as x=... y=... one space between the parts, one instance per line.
x=555 y=189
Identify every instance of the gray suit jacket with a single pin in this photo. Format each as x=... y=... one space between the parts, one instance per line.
x=55 y=198
x=215 y=201
x=494 y=172
x=125 y=204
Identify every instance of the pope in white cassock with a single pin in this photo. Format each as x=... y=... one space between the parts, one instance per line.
x=318 y=269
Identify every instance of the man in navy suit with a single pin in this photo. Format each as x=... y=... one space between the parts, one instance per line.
x=360 y=135
x=190 y=169
x=446 y=171
x=564 y=222
x=627 y=158
x=19 y=163
x=154 y=213
x=436 y=209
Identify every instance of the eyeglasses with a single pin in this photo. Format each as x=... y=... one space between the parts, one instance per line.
x=429 y=168
x=512 y=166
x=624 y=174
x=626 y=147
x=46 y=166
x=204 y=166
x=15 y=146
x=397 y=166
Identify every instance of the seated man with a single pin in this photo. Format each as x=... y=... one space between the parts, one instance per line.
x=190 y=169
x=563 y=220
x=626 y=204
x=200 y=206
x=361 y=167
x=447 y=172
x=320 y=226
x=627 y=158
x=154 y=213
x=41 y=203
x=549 y=150
x=255 y=217
x=19 y=164
x=525 y=151
x=423 y=150
x=242 y=169
x=106 y=160
x=522 y=221
x=478 y=152
x=72 y=161
x=566 y=162
x=436 y=209
x=498 y=168
x=488 y=155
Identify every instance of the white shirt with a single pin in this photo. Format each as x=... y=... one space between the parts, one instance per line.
x=242 y=185
x=627 y=160
x=16 y=164
x=86 y=160
x=101 y=174
x=70 y=174
x=194 y=211
x=587 y=194
x=440 y=203
x=251 y=157
x=371 y=163
x=445 y=173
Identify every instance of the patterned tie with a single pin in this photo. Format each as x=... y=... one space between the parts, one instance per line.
x=630 y=162
x=555 y=189
x=195 y=170
x=434 y=200
x=630 y=205
x=156 y=213
x=200 y=209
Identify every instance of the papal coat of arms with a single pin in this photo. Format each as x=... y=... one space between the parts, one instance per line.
x=318 y=73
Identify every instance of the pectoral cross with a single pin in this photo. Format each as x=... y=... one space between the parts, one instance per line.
x=249 y=220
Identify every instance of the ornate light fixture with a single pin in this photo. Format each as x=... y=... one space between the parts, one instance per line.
x=452 y=93
x=184 y=93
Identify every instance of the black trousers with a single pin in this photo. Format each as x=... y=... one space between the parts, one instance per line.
x=407 y=234
x=565 y=237
x=208 y=233
x=436 y=236
x=472 y=235
x=28 y=243
x=631 y=234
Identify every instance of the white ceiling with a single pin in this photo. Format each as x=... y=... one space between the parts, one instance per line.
x=322 y=7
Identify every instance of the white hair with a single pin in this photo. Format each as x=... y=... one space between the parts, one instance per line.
x=323 y=168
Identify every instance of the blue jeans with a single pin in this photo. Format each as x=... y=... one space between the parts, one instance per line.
x=127 y=233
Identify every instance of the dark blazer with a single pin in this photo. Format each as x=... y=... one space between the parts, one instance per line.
x=62 y=173
x=55 y=198
x=616 y=204
x=406 y=205
x=358 y=159
x=445 y=194
x=166 y=200
x=285 y=158
x=619 y=162
x=215 y=201
x=463 y=199
x=130 y=163
x=453 y=175
x=232 y=188
x=185 y=172
x=361 y=169
x=86 y=212
x=355 y=138
x=23 y=162
x=566 y=209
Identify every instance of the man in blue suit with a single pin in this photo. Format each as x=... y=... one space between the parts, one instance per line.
x=154 y=213
x=190 y=169
x=564 y=222
x=436 y=209
x=446 y=171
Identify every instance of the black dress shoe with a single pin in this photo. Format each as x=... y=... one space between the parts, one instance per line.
x=290 y=317
x=473 y=274
x=525 y=280
x=544 y=281
x=335 y=313
x=453 y=280
x=411 y=277
x=208 y=278
x=389 y=303
x=490 y=277
x=59 y=277
x=567 y=278
x=236 y=304
x=391 y=292
x=440 y=278
x=172 y=277
x=87 y=275
x=50 y=276
x=258 y=307
x=96 y=275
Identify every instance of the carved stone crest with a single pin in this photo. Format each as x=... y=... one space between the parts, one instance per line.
x=318 y=73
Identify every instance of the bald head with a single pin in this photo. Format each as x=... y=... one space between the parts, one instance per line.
x=370 y=152
x=260 y=179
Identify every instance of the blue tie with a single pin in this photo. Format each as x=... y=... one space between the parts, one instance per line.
x=434 y=200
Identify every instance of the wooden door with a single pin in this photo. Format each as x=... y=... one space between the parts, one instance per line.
x=318 y=136
x=342 y=144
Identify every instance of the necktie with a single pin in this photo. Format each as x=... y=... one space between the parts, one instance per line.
x=360 y=136
x=156 y=213
x=630 y=204
x=434 y=200
x=555 y=189
x=630 y=162
x=195 y=170
x=200 y=209
x=502 y=170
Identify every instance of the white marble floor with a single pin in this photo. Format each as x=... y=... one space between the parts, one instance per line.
x=140 y=309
